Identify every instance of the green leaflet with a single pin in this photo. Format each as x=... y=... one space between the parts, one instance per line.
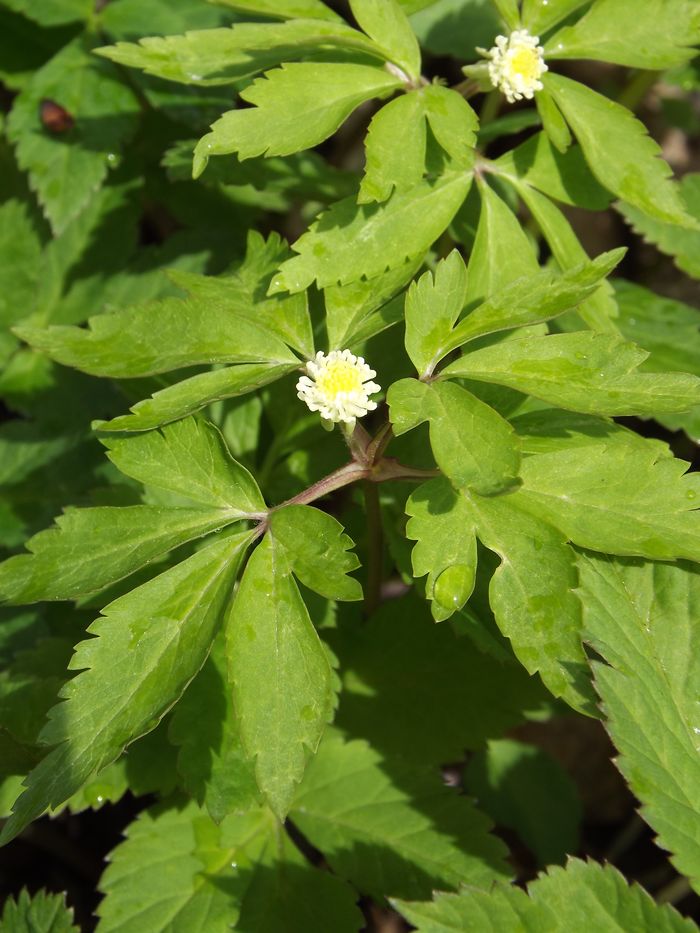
x=433 y=304
x=532 y=597
x=350 y=309
x=158 y=337
x=211 y=760
x=509 y=12
x=190 y=458
x=632 y=499
x=52 y=12
x=90 y=548
x=502 y=251
x=554 y=124
x=246 y=873
x=20 y=252
x=315 y=547
x=540 y=15
x=529 y=300
x=576 y=899
x=63 y=176
x=394 y=148
x=642 y=618
x=583 y=371
x=289 y=114
x=599 y=310
x=563 y=176
x=441 y=525
x=349 y=242
x=226 y=56
x=150 y=644
x=474 y=446
x=191 y=395
x=610 y=32
x=285 y=9
x=281 y=676
x=682 y=245
x=42 y=913
x=523 y=787
x=669 y=331
x=390 y=828
x=619 y=152
x=385 y=22
x=400 y=672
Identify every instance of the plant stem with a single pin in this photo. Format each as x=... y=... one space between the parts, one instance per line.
x=374 y=549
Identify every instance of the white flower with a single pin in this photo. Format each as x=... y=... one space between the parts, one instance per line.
x=339 y=386
x=517 y=63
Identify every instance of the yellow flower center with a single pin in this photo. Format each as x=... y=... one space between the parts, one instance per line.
x=339 y=376
x=526 y=63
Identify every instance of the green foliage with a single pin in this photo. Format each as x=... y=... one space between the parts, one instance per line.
x=574 y=899
x=43 y=913
x=235 y=608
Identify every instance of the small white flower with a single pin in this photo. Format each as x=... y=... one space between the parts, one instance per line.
x=339 y=387
x=517 y=64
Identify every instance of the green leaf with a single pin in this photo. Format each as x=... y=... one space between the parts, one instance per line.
x=284 y=9
x=632 y=498
x=208 y=57
x=191 y=395
x=433 y=304
x=473 y=445
x=160 y=336
x=442 y=527
x=289 y=114
x=522 y=787
x=90 y=548
x=349 y=242
x=351 y=308
x=563 y=176
x=575 y=899
x=669 y=331
x=530 y=300
x=52 y=12
x=385 y=22
x=619 y=152
x=65 y=169
x=390 y=828
x=509 y=12
x=394 y=148
x=281 y=676
x=453 y=123
x=454 y=27
x=20 y=255
x=583 y=371
x=245 y=874
x=609 y=33
x=532 y=597
x=540 y=15
x=554 y=124
x=190 y=458
x=211 y=760
x=682 y=245
x=642 y=619
x=150 y=645
x=316 y=548
x=502 y=251
x=599 y=310
x=42 y=913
